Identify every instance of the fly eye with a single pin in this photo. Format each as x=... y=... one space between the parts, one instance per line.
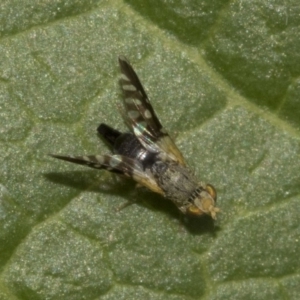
x=211 y=190
x=194 y=211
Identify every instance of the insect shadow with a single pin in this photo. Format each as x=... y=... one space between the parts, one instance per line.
x=85 y=180
x=194 y=224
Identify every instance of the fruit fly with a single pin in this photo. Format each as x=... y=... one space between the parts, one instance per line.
x=147 y=154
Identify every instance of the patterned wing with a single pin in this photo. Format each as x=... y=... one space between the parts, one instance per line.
x=142 y=118
x=117 y=164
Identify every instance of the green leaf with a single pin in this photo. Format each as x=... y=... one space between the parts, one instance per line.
x=222 y=76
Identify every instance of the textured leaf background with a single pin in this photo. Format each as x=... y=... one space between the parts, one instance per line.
x=224 y=78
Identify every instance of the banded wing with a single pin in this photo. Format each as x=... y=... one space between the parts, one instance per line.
x=142 y=118
x=117 y=164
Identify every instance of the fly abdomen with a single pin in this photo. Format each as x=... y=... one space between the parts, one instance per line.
x=109 y=134
x=126 y=144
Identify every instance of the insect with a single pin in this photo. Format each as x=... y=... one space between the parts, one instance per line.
x=147 y=154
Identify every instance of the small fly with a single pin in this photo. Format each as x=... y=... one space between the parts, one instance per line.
x=148 y=155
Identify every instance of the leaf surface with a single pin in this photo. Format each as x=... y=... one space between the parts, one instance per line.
x=222 y=76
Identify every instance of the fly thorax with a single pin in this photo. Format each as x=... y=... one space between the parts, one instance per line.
x=176 y=181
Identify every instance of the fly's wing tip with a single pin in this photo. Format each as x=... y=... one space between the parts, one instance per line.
x=62 y=157
x=122 y=58
x=123 y=61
